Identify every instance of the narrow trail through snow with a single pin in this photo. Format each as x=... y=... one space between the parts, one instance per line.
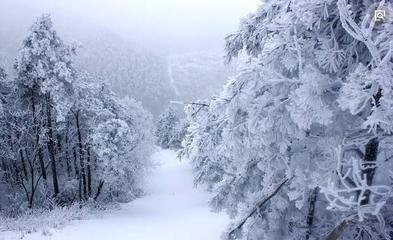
x=173 y=210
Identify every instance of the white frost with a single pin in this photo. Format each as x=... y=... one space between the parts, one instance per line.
x=172 y=210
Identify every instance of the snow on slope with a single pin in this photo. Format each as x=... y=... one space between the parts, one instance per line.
x=127 y=67
x=198 y=75
x=173 y=210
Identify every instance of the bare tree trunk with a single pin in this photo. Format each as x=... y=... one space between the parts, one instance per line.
x=34 y=180
x=30 y=204
x=42 y=163
x=82 y=163
x=37 y=138
x=77 y=174
x=368 y=171
x=67 y=157
x=52 y=146
x=370 y=157
x=88 y=172
x=59 y=146
x=99 y=189
x=75 y=163
x=22 y=159
x=80 y=188
x=311 y=210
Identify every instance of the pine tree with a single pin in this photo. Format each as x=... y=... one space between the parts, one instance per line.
x=44 y=75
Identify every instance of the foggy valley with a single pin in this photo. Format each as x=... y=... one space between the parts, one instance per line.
x=196 y=119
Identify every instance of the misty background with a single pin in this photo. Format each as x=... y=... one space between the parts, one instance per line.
x=153 y=50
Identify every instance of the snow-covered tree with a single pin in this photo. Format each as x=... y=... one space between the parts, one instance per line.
x=3 y=87
x=171 y=128
x=57 y=125
x=123 y=143
x=44 y=75
x=4 y=148
x=309 y=111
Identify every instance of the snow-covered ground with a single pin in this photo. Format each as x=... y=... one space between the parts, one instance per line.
x=173 y=210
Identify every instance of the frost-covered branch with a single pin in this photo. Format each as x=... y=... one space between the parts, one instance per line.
x=349 y=197
x=256 y=208
x=360 y=33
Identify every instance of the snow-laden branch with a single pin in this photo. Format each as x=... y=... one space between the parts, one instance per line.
x=257 y=208
x=360 y=33
x=349 y=197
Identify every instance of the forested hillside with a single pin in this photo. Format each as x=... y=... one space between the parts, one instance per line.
x=66 y=137
x=126 y=67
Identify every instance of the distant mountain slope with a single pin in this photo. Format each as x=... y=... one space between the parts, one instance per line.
x=198 y=75
x=126 y=67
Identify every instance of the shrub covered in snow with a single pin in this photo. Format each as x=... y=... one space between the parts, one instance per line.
x=44 y=221
x=171 y=128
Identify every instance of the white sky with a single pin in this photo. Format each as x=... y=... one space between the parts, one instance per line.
x=167 y=25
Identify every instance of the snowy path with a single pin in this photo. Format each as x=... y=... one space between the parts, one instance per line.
x=173 y=210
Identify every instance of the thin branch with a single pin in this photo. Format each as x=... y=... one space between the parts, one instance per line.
x=257 y=207
x=338 y=230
